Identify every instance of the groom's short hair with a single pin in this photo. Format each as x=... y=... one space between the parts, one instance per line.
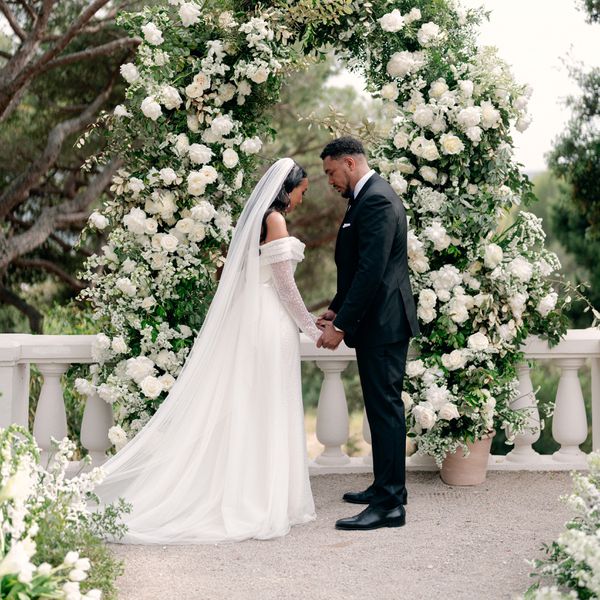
x=343 y=146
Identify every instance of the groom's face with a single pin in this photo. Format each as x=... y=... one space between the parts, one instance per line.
x=339 y=173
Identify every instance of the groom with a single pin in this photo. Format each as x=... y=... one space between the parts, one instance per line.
x=374 y=312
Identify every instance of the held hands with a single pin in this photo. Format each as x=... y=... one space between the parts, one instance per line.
x=326 y=317
x=330 y=338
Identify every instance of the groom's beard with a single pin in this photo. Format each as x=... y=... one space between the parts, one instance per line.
x=347 y=192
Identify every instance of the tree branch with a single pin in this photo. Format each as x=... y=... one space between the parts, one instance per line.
x=6 y=55
x=109 y=48
x=36 y=319
x=52 y=216
x=46 y=265
x=18 y=190
x=29 y=10
x=12 y=20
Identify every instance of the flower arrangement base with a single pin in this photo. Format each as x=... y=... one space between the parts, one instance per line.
x=458 y=469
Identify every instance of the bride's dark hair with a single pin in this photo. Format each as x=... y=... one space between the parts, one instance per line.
x=282 y=200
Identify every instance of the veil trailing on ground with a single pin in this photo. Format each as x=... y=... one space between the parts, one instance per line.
x=180 y=451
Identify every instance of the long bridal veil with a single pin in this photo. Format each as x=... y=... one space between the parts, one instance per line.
x=181 y=451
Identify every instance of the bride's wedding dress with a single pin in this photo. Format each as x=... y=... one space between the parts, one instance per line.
x=224 y=458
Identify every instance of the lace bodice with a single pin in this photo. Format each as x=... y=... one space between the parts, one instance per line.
x=278 y=261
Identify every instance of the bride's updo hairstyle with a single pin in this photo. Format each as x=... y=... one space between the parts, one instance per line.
x=282 y=200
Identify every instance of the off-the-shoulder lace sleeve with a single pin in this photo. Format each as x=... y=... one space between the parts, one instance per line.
x=287 y=248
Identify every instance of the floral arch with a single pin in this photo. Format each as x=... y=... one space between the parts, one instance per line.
x=190 y=135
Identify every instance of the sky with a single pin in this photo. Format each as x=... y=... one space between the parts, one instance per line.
x=534 y=36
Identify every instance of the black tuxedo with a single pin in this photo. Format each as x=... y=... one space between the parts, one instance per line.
x=376 y=310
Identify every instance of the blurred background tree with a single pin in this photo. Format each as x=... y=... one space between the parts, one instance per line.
x=59 y=66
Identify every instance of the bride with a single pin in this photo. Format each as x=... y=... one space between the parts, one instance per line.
x=224 y=457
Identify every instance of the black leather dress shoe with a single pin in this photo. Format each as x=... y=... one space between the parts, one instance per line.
x=374 y=518
x=364 y=497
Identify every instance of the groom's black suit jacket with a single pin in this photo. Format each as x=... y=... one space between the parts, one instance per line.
x=374 y=301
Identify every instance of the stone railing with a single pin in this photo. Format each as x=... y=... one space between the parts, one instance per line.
x=54 y=354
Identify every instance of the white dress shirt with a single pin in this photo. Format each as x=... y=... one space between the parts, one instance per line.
x=361 y=182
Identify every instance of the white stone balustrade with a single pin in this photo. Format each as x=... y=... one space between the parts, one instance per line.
x=53 y=354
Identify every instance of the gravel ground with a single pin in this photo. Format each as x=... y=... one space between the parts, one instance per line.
x=458 y=543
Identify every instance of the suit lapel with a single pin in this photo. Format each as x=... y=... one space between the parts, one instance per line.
x=364 y=189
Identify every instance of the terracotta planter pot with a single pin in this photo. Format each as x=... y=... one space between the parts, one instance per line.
x=468 y=470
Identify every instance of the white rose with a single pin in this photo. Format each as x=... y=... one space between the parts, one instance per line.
x=474 y=134
x=196 y=183
x=193 y=123
x=427 y=298
x=437 y=234
x=403 y=63
x=258 y=74
x=451 y=144
x=83 y=386
x=226 y=92
x=469 y=117
x=521 y=103
x=185 y=331
x=547 y=304
x=197 y=233
x=429 y=174
x=457 y=359
x=182 y=145
x=135 y=186
x=166 y=381
x=117 y=436
x=392 y=21
x=151 y=226
x=200 y=154
x=437 y=395
x=189 y=13
x=184 y=225
x=125 y=285
x=401 y=140
x=423 y=115
x=458 y=309
x=170 y=97
x=151 y=108
x=108 y=393
x=466 y=87
x=121 y=111
x=251 y=145
x=449 y=411
x=194 y=90
x=221 y=126
x=169 y=242
x=129 y=72
x=223 y=222
x=203 y=211
x=389 y=91
x=517 y=303
x=98 y=221
x=77 y=575
x=415 y=368
x=413 y=15
x=523 y=123
x=230 y=158
x=119 y=345
x=148 y=302
x=426 y=314
x=398 y=183
x=168 y=175
x=493 y=256
x=135 y=221
x=478 y=342
x=226 y=20
x=151 y=386
x=424 y=148
x=438 y=88
x=490 y=115
x=152 y=34
x=428 y=34
x=424 y=415
x=139 y=367
x=521 y=268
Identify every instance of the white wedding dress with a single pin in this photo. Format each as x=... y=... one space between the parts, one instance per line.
x=224 y=458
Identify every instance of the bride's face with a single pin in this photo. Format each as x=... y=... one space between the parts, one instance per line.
x=297 y=194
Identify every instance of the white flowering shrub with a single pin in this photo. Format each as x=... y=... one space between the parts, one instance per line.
x=189 y=134
x=572 y=566
x=42 y=511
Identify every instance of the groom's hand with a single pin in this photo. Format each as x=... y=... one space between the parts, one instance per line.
x=325 y=318
x=331 y=338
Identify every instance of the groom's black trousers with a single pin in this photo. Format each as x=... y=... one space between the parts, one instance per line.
x=381 y=369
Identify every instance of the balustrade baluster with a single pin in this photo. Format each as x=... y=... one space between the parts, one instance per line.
x=332 y=414
x=523 y=451
x=366 y=431
x=50 y=416
x=97 y=420
x=569 y=423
